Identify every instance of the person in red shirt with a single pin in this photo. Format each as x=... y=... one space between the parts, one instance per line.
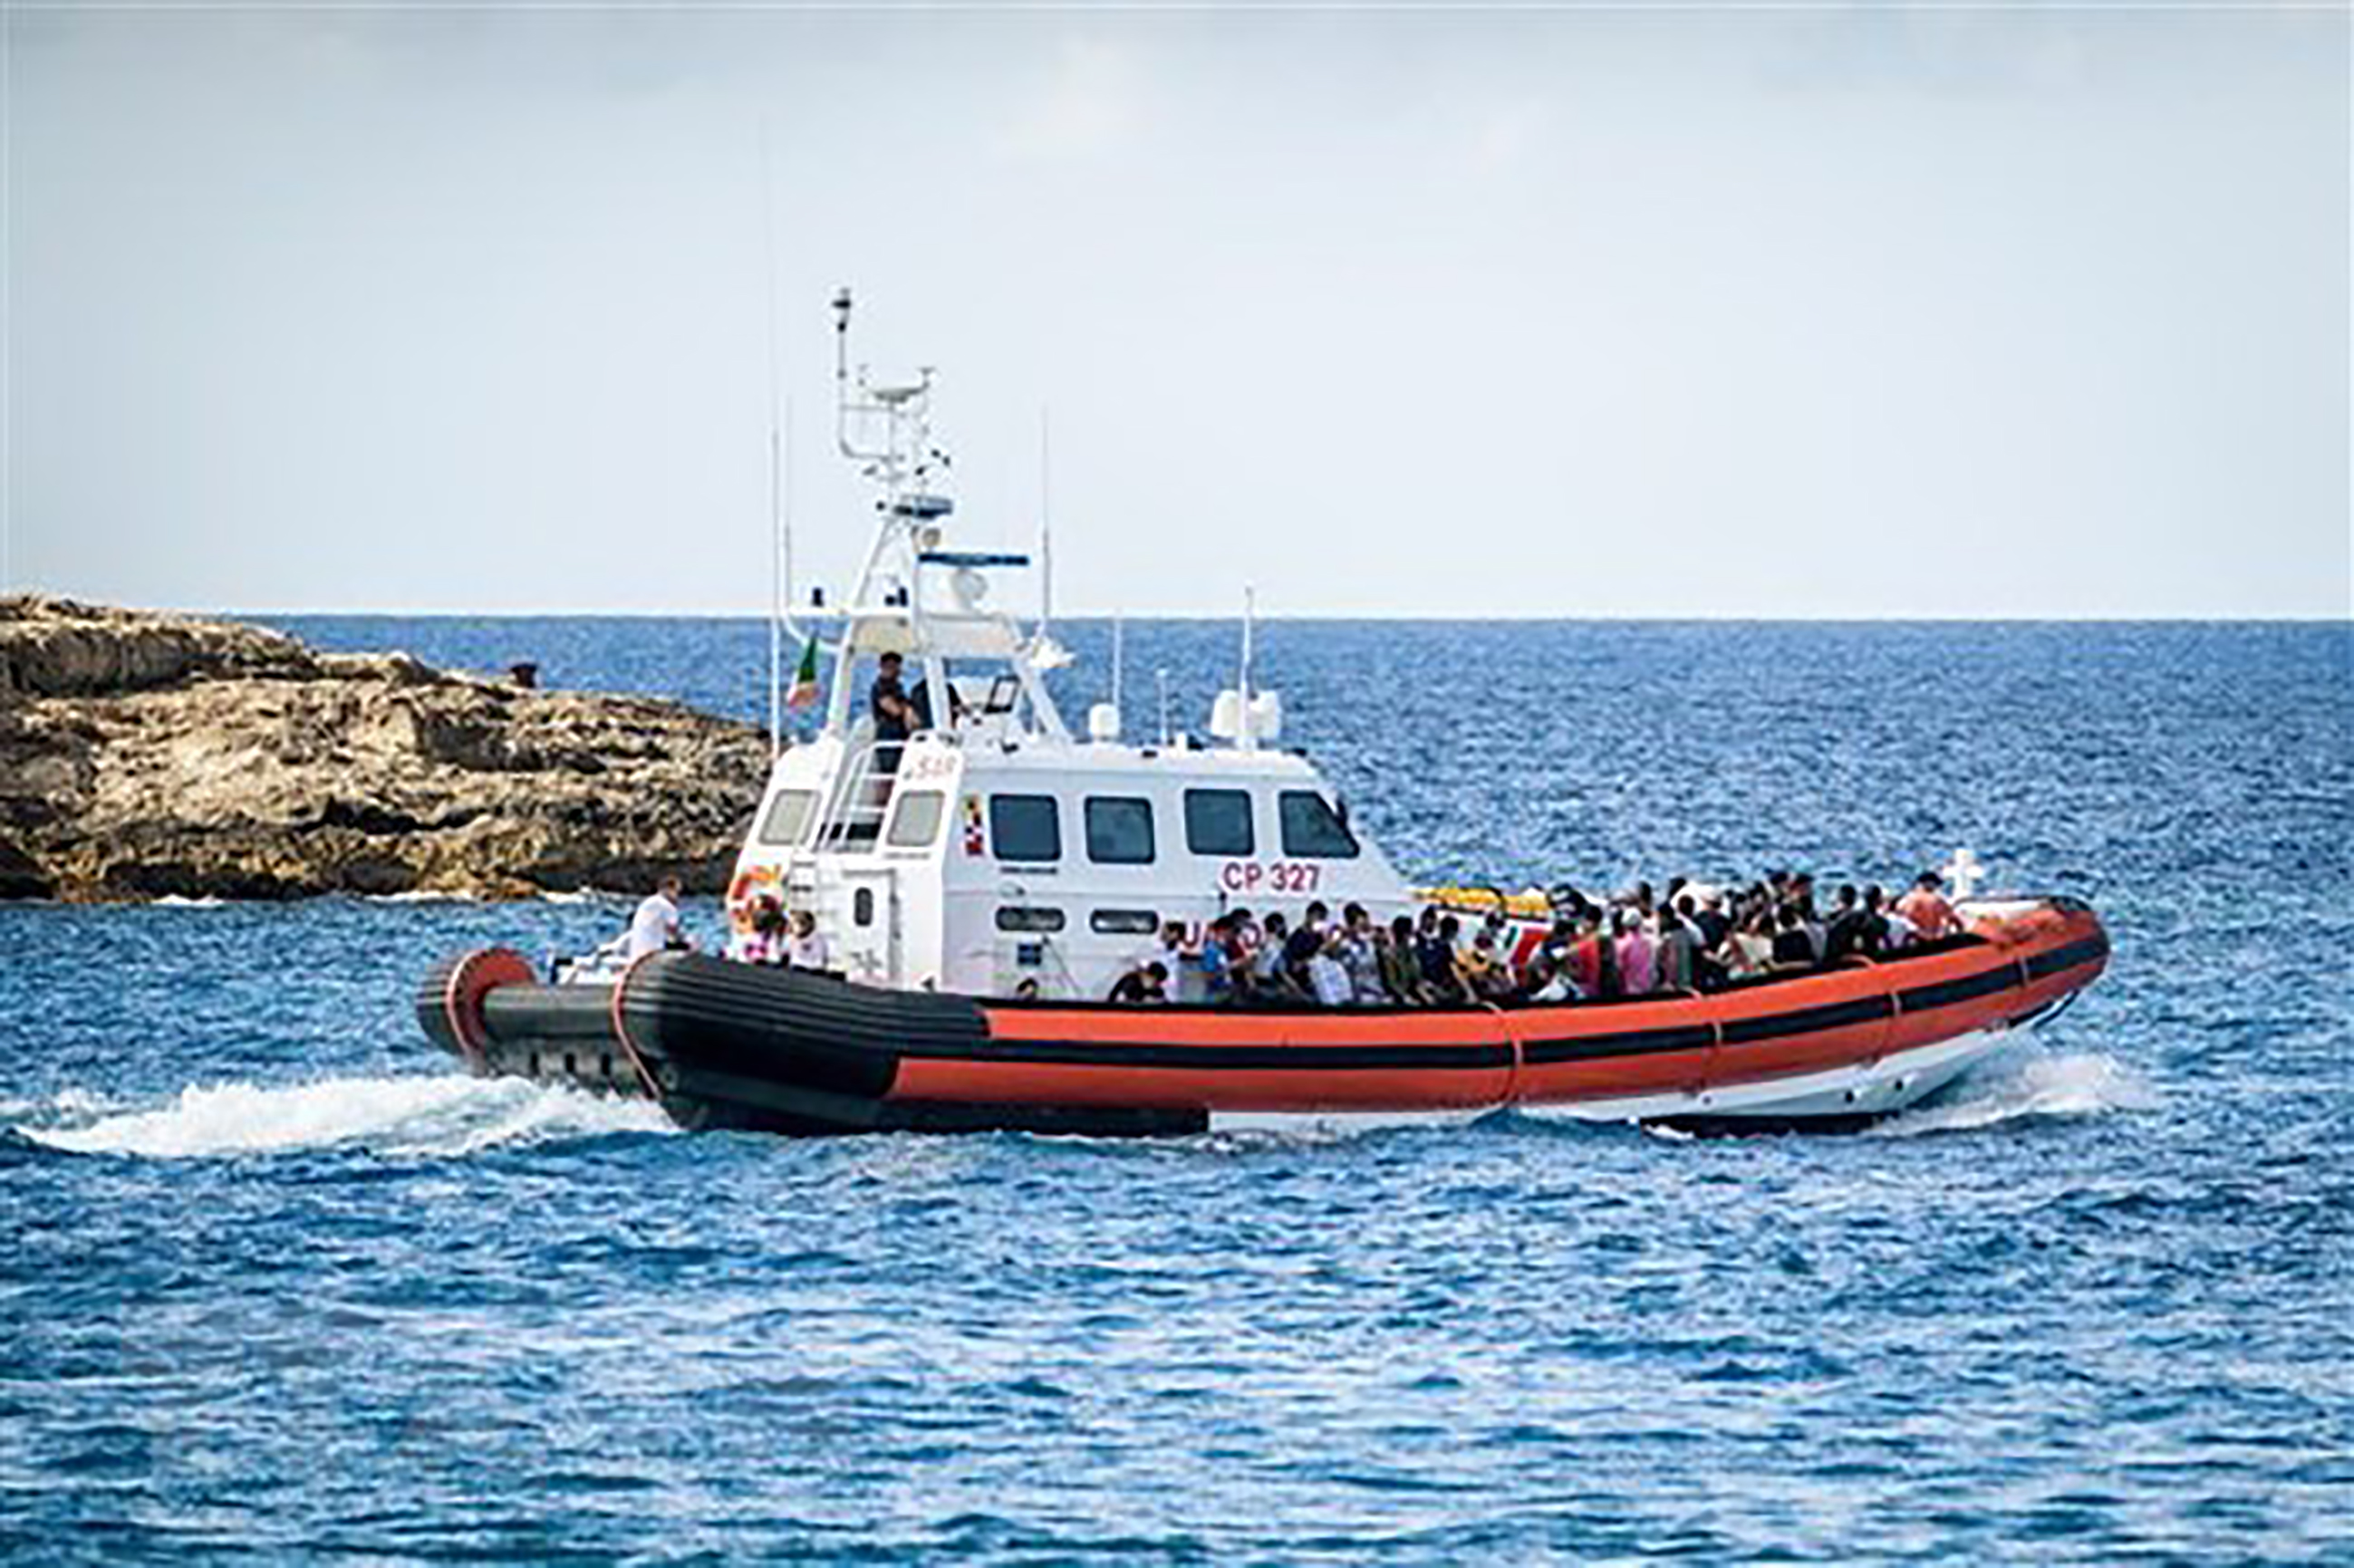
x=1931 y=916
x=1585 y=959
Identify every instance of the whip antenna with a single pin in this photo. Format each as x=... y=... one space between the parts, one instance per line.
x=1118 y=656
x=1045 y=527
x=780 y=550
x=1248 y=739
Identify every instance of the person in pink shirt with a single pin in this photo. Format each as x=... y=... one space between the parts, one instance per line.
x=1638 y=971
x=1927 y=909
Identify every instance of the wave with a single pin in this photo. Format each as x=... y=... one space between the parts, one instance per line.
x=442 y=1116
x=182 y=901
x=2083 y=1084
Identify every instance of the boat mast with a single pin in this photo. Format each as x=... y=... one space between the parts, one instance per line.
x=889 y=611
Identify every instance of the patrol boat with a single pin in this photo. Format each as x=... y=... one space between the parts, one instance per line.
x=984 y=883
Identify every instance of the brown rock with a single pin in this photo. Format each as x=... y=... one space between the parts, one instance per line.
x=147 y=755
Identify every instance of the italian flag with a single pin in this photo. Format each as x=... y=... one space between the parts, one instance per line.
x=803 y=693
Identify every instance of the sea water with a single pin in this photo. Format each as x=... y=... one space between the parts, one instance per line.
x=274 y=1279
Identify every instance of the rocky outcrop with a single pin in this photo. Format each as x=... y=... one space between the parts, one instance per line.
x=143 y=755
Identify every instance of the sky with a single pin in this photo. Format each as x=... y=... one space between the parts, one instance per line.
x=1845 y=312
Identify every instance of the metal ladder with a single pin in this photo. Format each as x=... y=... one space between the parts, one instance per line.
x=860 y=799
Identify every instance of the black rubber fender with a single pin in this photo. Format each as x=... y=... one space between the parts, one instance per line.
x=785 y=1025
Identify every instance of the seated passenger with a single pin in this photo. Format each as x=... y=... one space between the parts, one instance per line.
x=1642 y=901
x=1544 y=979
x=1485 y=977
x=1927 y=909
x=1709 y=919
x=1216 y=962
x=1792 y=952
x=1748 y=948
x=1584 y=960
x=1547 y=983
x=1678 y=948
x=1558 y=942
x=1271 y=978
x=1401 y=976
x=1328 y=977
x=763 y=942
x=1893 y=931
x=1435 y=952
x=657 y=924
x=807 y=949
x=1178 y=956
x=1359 y=956
x=1147 y=983
x=1800 y=891
x=1845 y=933
x=1637 y=953
x=1305 y=941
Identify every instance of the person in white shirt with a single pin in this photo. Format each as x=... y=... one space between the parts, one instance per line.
x=1180 y=960
x=1327 y=976
x=808 y=951
x=656 y=925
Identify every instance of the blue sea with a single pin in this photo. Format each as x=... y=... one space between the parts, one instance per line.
x=275 y=1282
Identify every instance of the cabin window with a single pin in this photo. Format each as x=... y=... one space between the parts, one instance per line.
x=1025 y=827
x=862 y=906
x=1028 y=918
x=1312 y=830
x=787 y=817
x=915 y=819
x=1119 y=830
x=1218 y=821
x=1124 y=922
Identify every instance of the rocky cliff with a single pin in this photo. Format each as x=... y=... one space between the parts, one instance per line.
x=143 y=755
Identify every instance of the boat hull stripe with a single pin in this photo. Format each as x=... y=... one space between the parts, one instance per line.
x=1947 y=993
x=2083 y=951
x=1626 y=1043
x=1240 y=1058
x=1807 y=1020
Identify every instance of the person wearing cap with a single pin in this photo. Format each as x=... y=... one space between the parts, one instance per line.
x=1927 y=909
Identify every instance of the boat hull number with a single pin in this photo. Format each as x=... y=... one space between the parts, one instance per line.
x=1270 y=876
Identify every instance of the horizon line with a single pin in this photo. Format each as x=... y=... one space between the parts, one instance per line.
x=1329 y=618
x=762 y=617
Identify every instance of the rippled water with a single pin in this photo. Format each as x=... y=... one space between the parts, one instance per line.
x=273 y=1279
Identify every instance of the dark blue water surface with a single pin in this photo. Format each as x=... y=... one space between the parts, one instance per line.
x=273 y=1280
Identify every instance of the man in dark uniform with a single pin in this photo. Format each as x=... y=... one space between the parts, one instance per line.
x=894 y=715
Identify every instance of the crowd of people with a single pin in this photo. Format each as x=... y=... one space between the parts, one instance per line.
x=1689 y=938
x=1639 y=943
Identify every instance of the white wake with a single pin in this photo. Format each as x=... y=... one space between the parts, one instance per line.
x=2080 y=1084
x=443 y=1115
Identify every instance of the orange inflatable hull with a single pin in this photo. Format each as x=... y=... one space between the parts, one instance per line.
x=722 y=1044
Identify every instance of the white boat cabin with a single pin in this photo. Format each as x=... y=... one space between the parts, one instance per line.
x=997 y=848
